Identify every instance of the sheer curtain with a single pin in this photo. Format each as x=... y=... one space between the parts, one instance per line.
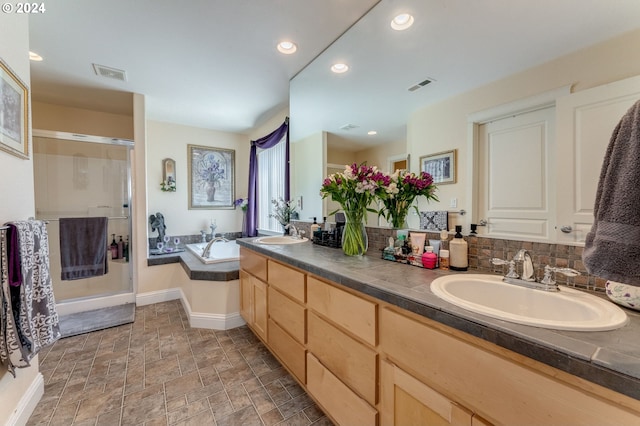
x=265 y=142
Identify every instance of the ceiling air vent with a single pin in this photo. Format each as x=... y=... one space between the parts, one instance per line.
x=108 y=72
x=348 y=127
x=420 y=85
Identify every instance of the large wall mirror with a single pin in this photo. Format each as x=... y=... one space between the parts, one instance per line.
x=417 y=88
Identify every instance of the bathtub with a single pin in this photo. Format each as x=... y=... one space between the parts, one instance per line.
x=221 y=251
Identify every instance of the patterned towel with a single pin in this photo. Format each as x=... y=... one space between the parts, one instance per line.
x=37 y=321
x=434 y=221
x=12 y=353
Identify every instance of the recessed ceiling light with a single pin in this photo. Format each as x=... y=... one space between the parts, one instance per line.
x=402 y=22
x=287 y=47
x=34 y=56
x=339 y=68
x=372 y=132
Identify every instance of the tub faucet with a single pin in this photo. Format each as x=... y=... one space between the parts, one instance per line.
x=207 y=249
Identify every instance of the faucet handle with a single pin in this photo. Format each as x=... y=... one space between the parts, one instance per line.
x=548 y=270
x=512 y=266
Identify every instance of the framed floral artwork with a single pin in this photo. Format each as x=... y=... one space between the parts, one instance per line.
x=441 y=166
x=14 y=113
x=211 y=177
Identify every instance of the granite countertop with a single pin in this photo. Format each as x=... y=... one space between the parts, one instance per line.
x=608 y=358
x=195 y=269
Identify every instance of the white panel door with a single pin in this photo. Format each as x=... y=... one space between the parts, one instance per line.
x=515 y=170
x=586 y=121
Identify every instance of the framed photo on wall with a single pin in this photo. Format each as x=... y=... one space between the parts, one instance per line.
x=14 y=113
x=211 y=177
x=441 y=166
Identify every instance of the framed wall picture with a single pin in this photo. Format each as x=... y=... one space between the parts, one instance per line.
x=441 y=166
x=14 y=113
x=211 y=177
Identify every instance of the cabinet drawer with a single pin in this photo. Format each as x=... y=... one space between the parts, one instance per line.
x=253 y=263
x=290 y=352
x=354 y=314
x=353 y=362
x=287 y=280
x=335 y=397
x=483 y=380
x=288 y=314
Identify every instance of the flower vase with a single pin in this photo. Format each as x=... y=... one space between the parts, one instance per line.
x=245 y=225
x=399 y=214
x=354 y=235
x=211 y=191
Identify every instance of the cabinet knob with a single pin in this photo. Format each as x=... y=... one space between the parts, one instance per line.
x=566 y=229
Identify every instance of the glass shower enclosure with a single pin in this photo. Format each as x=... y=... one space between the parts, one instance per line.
x=84 y=176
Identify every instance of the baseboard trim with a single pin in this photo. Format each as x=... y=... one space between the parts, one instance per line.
x=151 y=297
x=28 y=402
x=196 y=319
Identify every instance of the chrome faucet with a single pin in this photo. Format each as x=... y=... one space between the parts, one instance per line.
x=293 y=231
x=527 y=279
x=207 y=249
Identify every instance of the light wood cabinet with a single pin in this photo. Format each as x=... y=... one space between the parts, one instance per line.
x=354 y=363
x=366 y=362
x=342 y=404
x=351 y=312
x=253 y=304
x=498 y=385
x=407 y=401
x=288 y=350
x=288 y=280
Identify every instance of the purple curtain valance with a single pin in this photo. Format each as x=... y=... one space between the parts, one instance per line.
x=265 y=142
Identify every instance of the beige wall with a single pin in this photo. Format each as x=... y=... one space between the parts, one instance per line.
x=83 y=121
x=307 y=172
x=444 y=126
x=379 y=155
x=16 y=187
x=167 y=140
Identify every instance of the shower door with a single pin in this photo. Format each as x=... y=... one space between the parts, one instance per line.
x=85 y=176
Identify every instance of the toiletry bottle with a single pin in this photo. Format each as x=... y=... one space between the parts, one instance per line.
x=114 y=247
x=444 y=239
x=126 y=249
x=314 y=227
x=444 y=259
x=429 y=258
x=459 y=251
x=120 y=248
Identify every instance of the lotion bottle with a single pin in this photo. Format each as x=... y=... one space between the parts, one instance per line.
x=429 y=258
x=458 y=252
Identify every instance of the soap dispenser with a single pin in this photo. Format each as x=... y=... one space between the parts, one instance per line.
x=458 y=252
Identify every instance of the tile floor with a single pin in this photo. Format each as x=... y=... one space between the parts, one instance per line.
x=159 y=371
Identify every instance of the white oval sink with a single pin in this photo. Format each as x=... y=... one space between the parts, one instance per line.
x=280 y=239
x=567 y=309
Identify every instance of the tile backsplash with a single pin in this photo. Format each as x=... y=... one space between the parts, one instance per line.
x=483 y=249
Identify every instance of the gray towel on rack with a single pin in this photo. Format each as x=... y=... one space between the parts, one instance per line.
x=612 y=247
x=83 y=247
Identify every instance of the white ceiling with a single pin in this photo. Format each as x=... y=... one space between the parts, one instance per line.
x=460 y=44
x=213 y=63
x=204 y=63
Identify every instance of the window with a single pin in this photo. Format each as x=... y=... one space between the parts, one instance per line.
x=271 y=178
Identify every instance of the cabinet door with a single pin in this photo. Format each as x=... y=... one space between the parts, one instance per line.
x=259 y=302
x=245 y=297
x=586 y=121
x=407 y=401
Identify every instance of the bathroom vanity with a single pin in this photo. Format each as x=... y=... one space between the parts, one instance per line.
x=372 y=344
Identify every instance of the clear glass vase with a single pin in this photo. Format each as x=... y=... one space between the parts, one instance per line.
x=354 y=234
